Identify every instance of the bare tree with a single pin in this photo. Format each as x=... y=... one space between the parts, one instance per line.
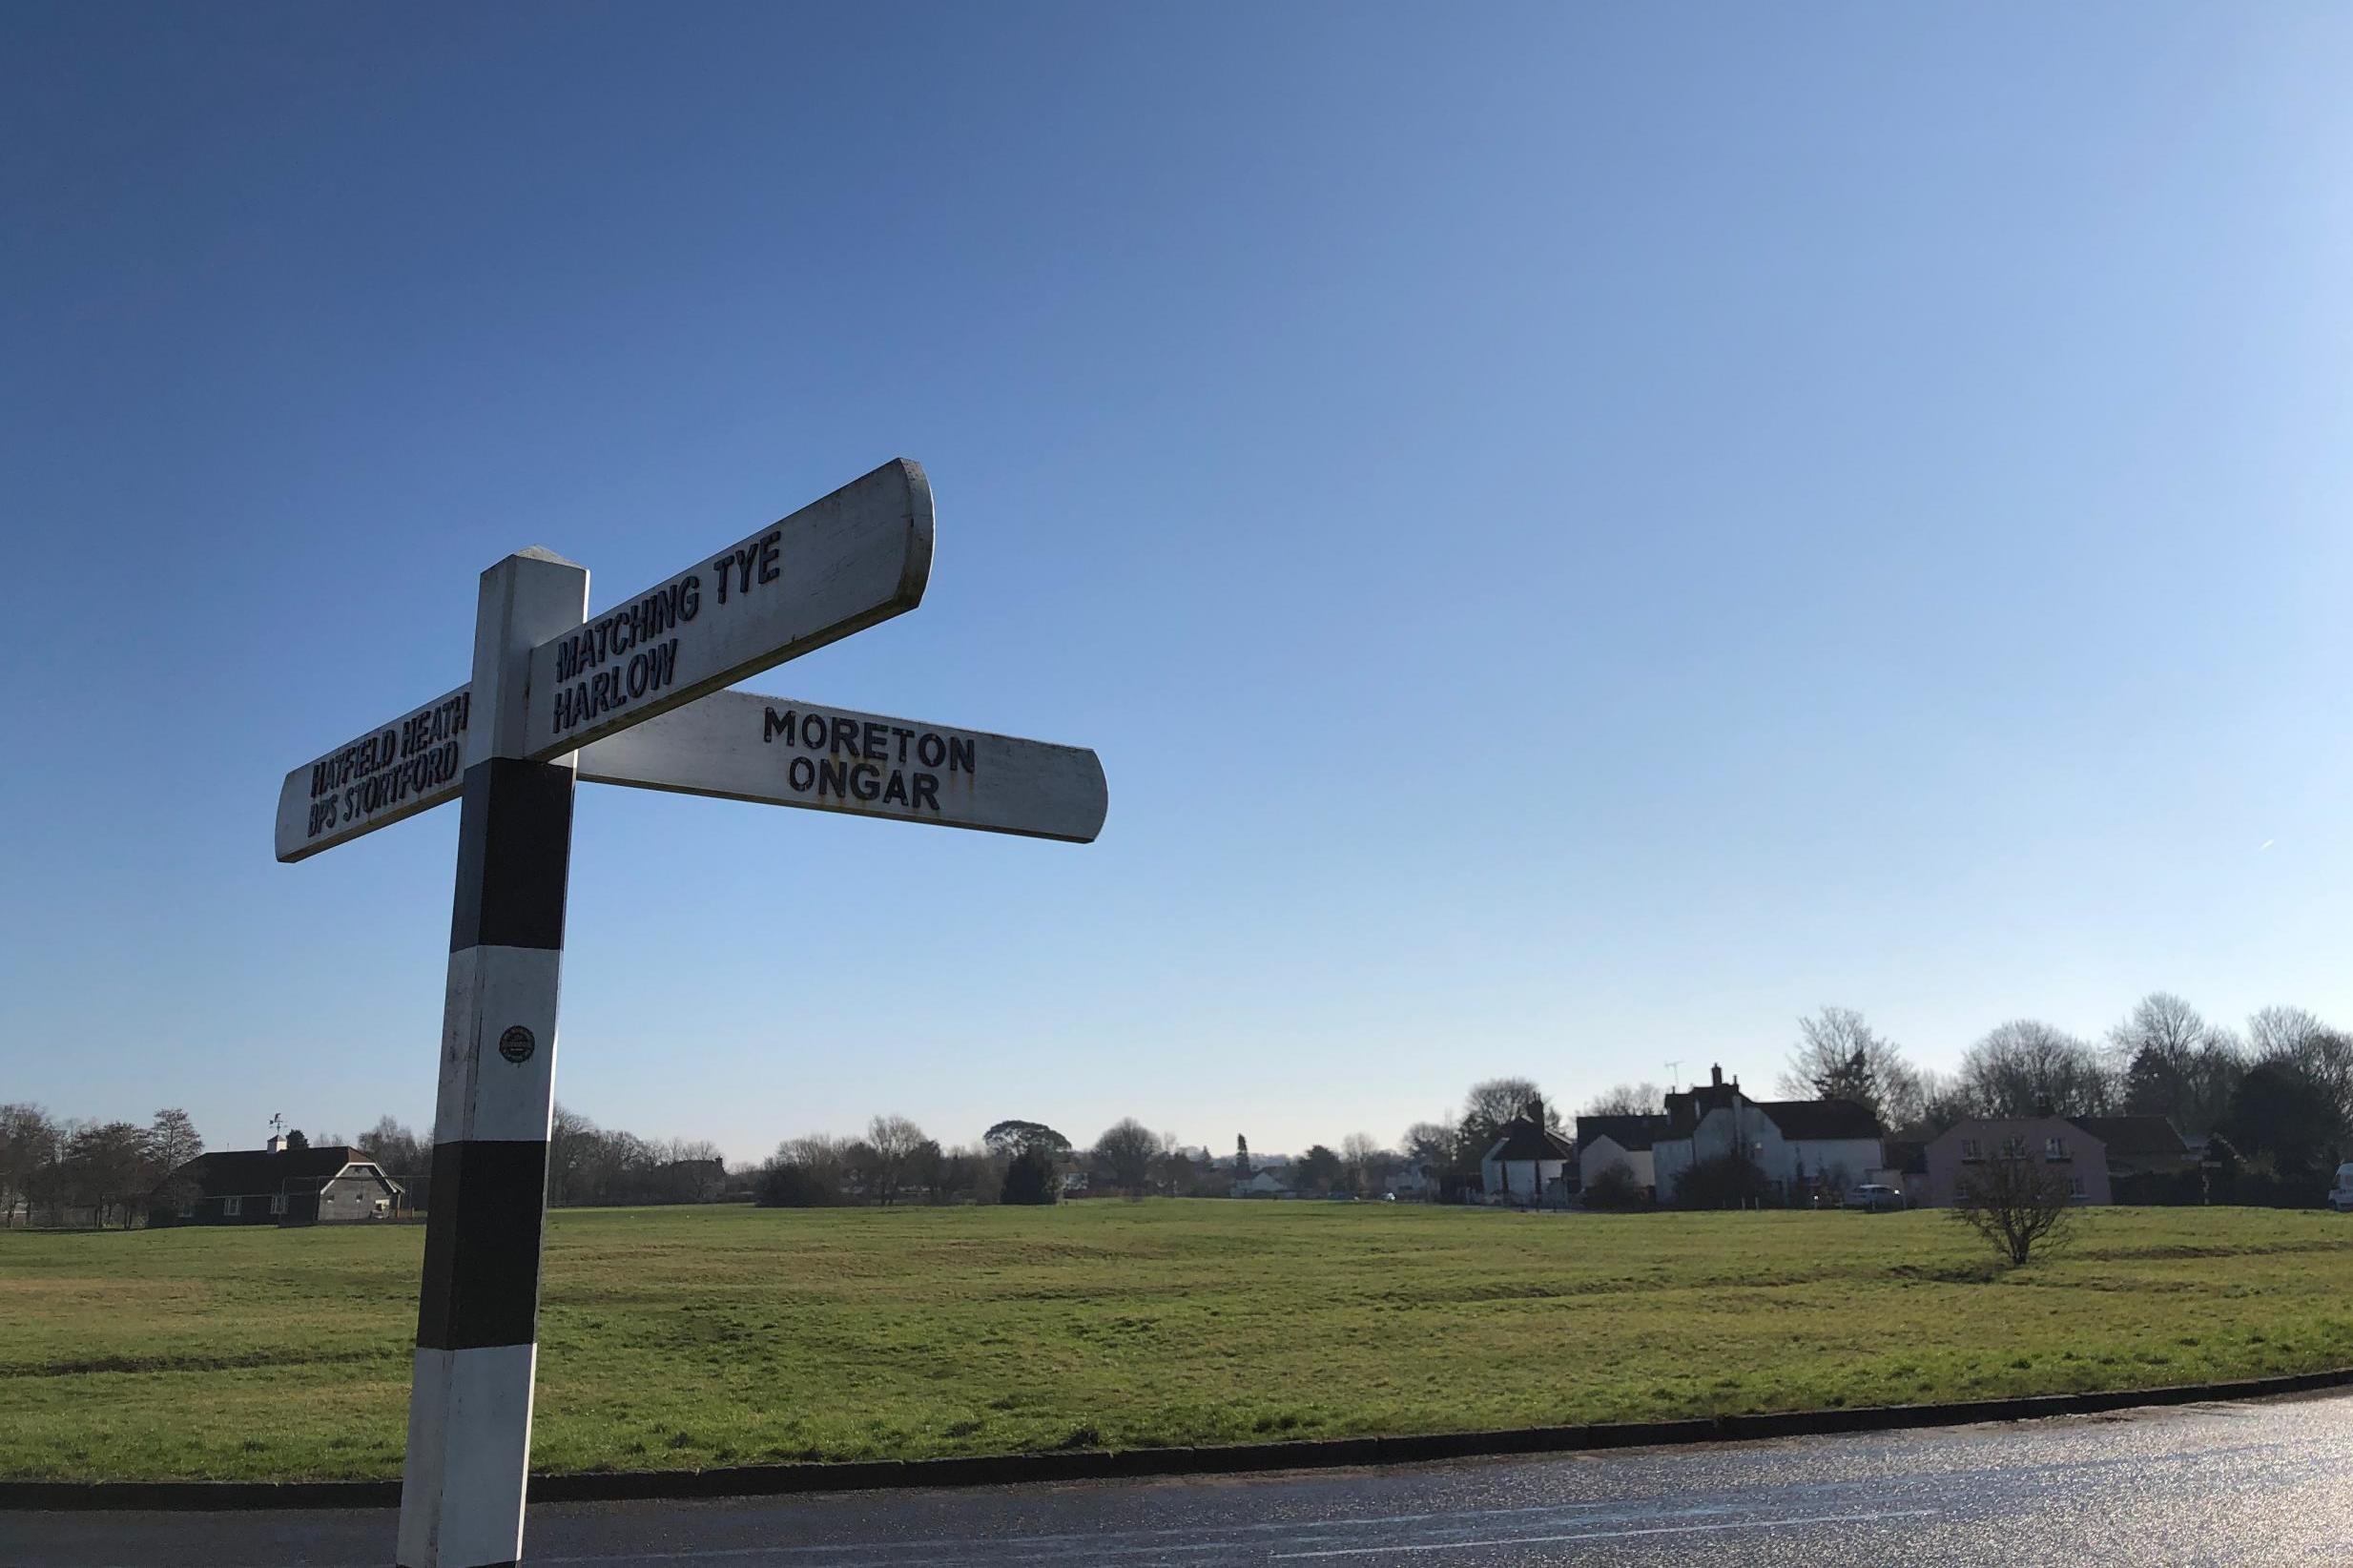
x=29 y=1144
x=397 y=1150
x=1430 y=1144
x=805 y=1172
x=1626 y=1099
x=570 y=1139
x=1838 y=1056
x=2293 y=1040
x=2174 y=1063
x=2017 y=1204
x=1497 y=1100
x=1125 y=1151
x=895 y=1142
x=107 y=1169
x=172 y=1142
x=2025 y=1067
x=1361 y=1159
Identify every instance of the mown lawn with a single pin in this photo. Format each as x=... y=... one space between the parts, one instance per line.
x=693 y=1338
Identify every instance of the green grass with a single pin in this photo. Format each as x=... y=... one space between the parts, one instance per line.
x=695 y=1337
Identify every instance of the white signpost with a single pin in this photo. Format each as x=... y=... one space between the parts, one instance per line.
x=632 y=696
x=739 y=746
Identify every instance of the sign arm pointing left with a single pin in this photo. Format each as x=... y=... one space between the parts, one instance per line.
x=837 y=565
x=387 y=776
x=634 y=697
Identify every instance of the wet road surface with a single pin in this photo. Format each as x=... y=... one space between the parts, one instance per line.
x=2256 y=1484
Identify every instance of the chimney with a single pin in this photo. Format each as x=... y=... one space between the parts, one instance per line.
x=276 y=1143
x=1715 y=1074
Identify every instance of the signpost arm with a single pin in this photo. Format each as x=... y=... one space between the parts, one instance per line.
x=469 y=1416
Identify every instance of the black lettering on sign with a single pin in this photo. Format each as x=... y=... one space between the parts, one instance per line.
x=865 y=780
x=845 y=737
x=771 y=727
x=648 y=671
x=904 y=736
x=931 y=751
x=959 y=754
x=388 y=767
x=895 y=793
x=875 y=750
x=802 y=775
x=927 y=792
x=768 y=555
x=833 y=778
x=813 y=732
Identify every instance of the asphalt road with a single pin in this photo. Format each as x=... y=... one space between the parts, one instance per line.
x=2269 y=1483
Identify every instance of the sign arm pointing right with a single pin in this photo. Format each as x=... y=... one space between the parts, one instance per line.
x=780 y=751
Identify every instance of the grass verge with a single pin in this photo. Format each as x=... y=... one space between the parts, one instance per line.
x=695 y=1337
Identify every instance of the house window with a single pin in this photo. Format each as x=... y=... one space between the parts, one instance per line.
x=2075 y=1186
x=2054 y=1148
x=232 y=1207
x=2013 y=1149
x=188 y=1209
x=1968 y=1150
x=277 y=1203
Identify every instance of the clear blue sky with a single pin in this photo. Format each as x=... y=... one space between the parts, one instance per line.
x=1579 y=534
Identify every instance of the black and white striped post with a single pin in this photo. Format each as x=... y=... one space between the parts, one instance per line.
x=469 y=1410
x=634 y=697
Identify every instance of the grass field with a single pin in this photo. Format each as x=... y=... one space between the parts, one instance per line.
x=700 y=1336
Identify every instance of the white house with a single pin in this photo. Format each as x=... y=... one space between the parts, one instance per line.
x=1527 y=1163
x=1606 y=1141
x=1265 y=1182
x=1802 y=1146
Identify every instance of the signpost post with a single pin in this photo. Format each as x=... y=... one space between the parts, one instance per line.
x=634 y=697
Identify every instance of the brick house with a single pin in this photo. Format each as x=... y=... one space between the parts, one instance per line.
x=2096 y=1151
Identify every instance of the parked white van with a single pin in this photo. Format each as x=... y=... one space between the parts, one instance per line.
x=2340 y=1196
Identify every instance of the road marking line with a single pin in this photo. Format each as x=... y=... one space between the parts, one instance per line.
x=1610 y=1535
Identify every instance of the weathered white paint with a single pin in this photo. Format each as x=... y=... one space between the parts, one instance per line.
x=392 y=773
x=861 y=555
x=469 y=1436
x=740 y=746
x=482 y=1095
x=469 y=1424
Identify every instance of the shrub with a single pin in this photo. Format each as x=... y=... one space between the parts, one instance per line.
x=1614 y=1188
x=1728 y=1181
x=2016 y=1205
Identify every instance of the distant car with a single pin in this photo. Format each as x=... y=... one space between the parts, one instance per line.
x=2340 y=1196
x=1874 y=1196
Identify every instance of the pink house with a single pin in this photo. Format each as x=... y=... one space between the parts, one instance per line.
x=2050 y=1140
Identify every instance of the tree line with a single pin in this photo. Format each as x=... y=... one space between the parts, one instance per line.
x=2276 y=1097
x=1014 y=1161
x=2278 y=1094
x=112 y=1172
x=589 y=1166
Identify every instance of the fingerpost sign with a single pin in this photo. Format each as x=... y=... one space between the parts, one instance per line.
x=632 y=696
